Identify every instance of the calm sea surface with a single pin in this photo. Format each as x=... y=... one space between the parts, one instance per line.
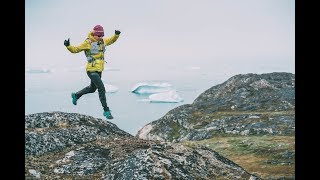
x=47 y=92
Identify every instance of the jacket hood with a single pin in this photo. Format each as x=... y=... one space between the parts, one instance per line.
x=90 y=36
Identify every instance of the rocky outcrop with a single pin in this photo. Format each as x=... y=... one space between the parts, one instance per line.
x=251 y=92
x=62 y=145
x=56 y=131
x=246 y=104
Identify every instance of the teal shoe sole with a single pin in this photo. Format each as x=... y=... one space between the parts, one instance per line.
x=74 y=99
x=108 y=115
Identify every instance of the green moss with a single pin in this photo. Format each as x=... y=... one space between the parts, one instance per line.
x=174 y=133
x=267 y=156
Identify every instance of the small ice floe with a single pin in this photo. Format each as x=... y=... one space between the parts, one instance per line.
x=111 y=88
x=150 y=88
x=166 y=97
x=40 y=70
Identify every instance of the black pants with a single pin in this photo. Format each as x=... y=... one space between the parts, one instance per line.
x=96 y=83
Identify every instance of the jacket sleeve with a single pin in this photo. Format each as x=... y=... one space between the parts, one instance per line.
x=75 y=49
x=110 y=40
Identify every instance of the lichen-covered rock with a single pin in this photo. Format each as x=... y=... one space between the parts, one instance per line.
x=55 y=131
x=248 y=104
x=264 y=92
x=73 y=146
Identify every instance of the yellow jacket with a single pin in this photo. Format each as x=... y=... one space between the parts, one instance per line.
x=98 y=63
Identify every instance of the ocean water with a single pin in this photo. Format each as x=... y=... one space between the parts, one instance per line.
x=50 y=90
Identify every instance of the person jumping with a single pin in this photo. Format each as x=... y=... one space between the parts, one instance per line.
x=94 y=48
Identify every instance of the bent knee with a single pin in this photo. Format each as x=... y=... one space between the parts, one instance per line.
x=92 y=90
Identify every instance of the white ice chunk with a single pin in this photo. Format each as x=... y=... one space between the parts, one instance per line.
x=166 y=97
x=144 y=100
x=37 y=70
x=111 y=88
x=150 y=88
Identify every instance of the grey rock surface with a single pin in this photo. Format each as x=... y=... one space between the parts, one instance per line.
x=61 y=145
x=245 y=104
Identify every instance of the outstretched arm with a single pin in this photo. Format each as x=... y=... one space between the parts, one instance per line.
x=112 y=39
x=75 y=49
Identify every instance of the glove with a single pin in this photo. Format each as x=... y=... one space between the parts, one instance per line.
x=117 y=32
x=67 y=42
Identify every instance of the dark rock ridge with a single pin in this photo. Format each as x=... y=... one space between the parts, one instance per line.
x=62 y=145
x=245 y=104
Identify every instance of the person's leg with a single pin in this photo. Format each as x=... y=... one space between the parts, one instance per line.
x=96 y=79
x=89 y=89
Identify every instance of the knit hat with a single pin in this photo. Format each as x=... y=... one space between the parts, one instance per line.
x=98 y=31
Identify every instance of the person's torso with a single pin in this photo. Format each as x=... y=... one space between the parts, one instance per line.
x=95 y=56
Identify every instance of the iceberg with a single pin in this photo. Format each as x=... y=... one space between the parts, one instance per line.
x=43 y=70
x=144 y=100
x=166 y=97
x=150 y=88
x=111 y=88
x=160 y=92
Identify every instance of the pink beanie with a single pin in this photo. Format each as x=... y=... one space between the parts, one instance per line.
x=98 y=31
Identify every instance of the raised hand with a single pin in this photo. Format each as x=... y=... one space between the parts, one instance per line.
x=117 y=32
x=67 y=42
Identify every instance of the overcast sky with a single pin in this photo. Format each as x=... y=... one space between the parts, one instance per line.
x=165 y=32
